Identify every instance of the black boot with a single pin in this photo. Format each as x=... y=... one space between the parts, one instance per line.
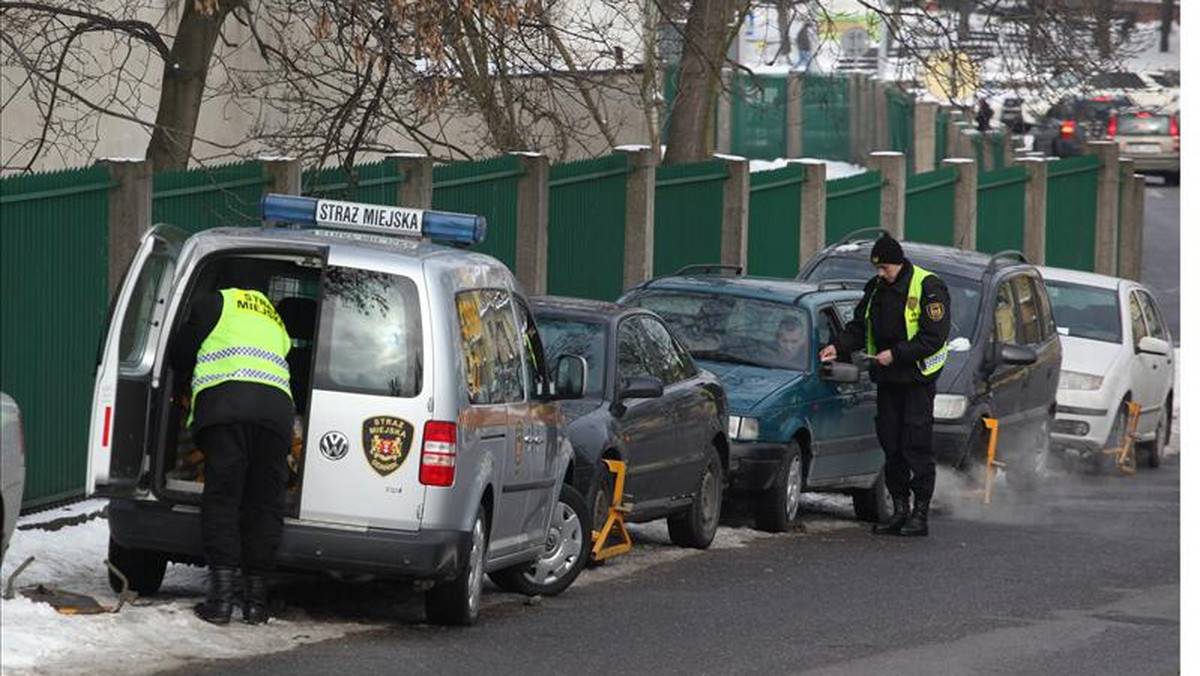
x=218 y=605
x=254 y=610
x=900 y=514
x=918 y=523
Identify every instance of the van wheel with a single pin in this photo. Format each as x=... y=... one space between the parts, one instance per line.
x=698 y=525
x=143 y=568
x=1025 y=472
x=873 y=504
x=565 y=554
x=778 y=505
x=456 y=602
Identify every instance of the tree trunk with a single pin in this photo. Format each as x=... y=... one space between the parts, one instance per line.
x=184 y=74
x=704 y=45
x=1167 y=18
x=1102 y=30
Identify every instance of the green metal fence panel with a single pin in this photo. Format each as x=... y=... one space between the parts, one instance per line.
x=373 y=183
x=929 y=207
x=852 y=203
x=999 y=139
x=1071 y=212
x=688 y=204
x=900 y=123
x=941 y=133
x=826 y=117
x=759 y=116
x=486 y=188
x=54 y=286
x=1000 y=210
x=586 y=234
x=773 y=246
x=211 y=197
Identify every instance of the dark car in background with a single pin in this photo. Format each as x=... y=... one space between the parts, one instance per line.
x=1005 y=355
x=1074 y=120
x=646 y=403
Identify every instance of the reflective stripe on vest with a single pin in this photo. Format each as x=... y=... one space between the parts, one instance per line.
x=912 y=315
x=248 y=344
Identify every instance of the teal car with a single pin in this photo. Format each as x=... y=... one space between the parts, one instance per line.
x=795 y=425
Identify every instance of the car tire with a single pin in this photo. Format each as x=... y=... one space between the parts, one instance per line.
x=1155 y=447
x=601 y=502
x=457 y=601
x=874 y=504
x=697 y=526
x=143 y=568
x=565 y=556
x=776 y=507
x=1026 y=472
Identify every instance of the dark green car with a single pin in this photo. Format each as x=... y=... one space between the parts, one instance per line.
x=794 y=426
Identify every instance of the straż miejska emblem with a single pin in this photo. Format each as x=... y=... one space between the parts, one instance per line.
x=386 y=442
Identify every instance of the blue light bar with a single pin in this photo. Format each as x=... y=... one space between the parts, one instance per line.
x=374 y=218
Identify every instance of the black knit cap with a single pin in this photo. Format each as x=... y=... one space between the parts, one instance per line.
x=887 y=251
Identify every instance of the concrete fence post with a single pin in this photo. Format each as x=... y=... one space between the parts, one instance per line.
x=882 y=109
x=891 y=200
x=924 y=136
x=129 y=213
x=533 y=217
x=416 y=190
x=1137 y=227
x=795 y=115
x=735 y=214
x=1105 y=261
x=965 y=198
x=725 y=112
x=1009 y=151
x=1129 y=235
x=284 y=175
x=812 y=209
x=1034 y=238
x=639 y=214
x=962 y=143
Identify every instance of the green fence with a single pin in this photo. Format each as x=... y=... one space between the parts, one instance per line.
x=900 y=123
x=373 y=183
x=941 y=133
x=586 y=234
x=999 y=140
x=826 y=117
x=197 y=199
x=773 y=243
x=852 y=203
x=758 y=111
x=929 y=207
x=1071 y=212
x=1000 y=209
x=54 y=286
x=487 y=188
x=688 y=201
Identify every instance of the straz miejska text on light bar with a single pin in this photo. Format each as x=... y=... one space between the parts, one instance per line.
x=374 y=218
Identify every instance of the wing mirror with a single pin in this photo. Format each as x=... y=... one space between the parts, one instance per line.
x=838 y=372
x=641 y=387
x=570 y=377
x=1152 y=345
x=1017 y=355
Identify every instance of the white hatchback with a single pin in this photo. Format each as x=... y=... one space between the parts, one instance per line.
x=1116 y=349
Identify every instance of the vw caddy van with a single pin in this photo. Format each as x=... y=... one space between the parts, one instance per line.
x=428 y=444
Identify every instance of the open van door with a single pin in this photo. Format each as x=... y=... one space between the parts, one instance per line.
x=117 y=436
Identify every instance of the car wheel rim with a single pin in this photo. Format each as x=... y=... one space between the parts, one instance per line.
x=793 y=487
x=476 y=573
x=709 y=499
x=564 y=543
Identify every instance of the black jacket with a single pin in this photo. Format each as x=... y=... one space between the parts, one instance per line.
x=890 y=330
x=229 y=402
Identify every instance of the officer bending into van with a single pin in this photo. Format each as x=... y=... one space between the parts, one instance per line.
x=234 y=345
x=902 y=321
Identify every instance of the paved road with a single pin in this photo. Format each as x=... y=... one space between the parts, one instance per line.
x=1081 y=579
x=1160 y=249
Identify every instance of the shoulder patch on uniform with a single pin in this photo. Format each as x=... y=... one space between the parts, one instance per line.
x=936 y=311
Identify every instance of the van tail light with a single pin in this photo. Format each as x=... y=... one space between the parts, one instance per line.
x=1112 y=127
x=438 y=453
x=1068 y=129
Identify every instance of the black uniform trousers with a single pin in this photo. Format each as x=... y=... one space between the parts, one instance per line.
x=245 y=478
x=904 y=425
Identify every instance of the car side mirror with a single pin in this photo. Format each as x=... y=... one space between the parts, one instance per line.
x=838 y=372
x=1152 y=345
x=1017 y=355
x=641 y=387
x=570 y=377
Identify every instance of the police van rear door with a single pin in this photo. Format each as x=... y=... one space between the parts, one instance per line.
x=369 y=400
x=117 y=436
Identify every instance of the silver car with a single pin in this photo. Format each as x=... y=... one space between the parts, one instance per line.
x=12 y=467
x=428 y=443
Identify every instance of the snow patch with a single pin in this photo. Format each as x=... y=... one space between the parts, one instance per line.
x=833 y=168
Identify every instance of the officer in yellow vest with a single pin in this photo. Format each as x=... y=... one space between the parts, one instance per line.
x=233 y=347
x=902 y=321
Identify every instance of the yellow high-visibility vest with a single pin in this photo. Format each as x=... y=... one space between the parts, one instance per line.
x=912 y=314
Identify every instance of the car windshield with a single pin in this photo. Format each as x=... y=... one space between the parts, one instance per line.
x=1085 y=311
x=964 y=293
x=583 y=339
x=1143 y=124
x=735 y=329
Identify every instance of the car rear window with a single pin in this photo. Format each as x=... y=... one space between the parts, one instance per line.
x=1143 y=125
x=1085 y=311
x=562 y=336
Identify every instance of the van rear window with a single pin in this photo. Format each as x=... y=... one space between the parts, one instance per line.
x=370 y=339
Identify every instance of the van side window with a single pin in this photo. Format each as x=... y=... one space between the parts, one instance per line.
x=661 y=355
x=534 y=357
x=630 y=353
x=1047 y=311
x=1027 y=310
x=370 y=338
x=1136 y=318
x=489 y=347
x=1005 y=314
x=136 y=328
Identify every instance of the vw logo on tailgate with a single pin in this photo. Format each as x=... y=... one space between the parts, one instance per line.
x=334 y=445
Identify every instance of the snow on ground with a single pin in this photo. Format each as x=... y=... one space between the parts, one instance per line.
x=833 y=168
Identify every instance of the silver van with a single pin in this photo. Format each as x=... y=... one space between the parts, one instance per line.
x=428 y=443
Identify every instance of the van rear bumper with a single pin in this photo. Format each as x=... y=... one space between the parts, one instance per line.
x=427 y=554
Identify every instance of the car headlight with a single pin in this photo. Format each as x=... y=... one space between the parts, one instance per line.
x=743 y=429
x=949 y=406
x=1073 y=380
